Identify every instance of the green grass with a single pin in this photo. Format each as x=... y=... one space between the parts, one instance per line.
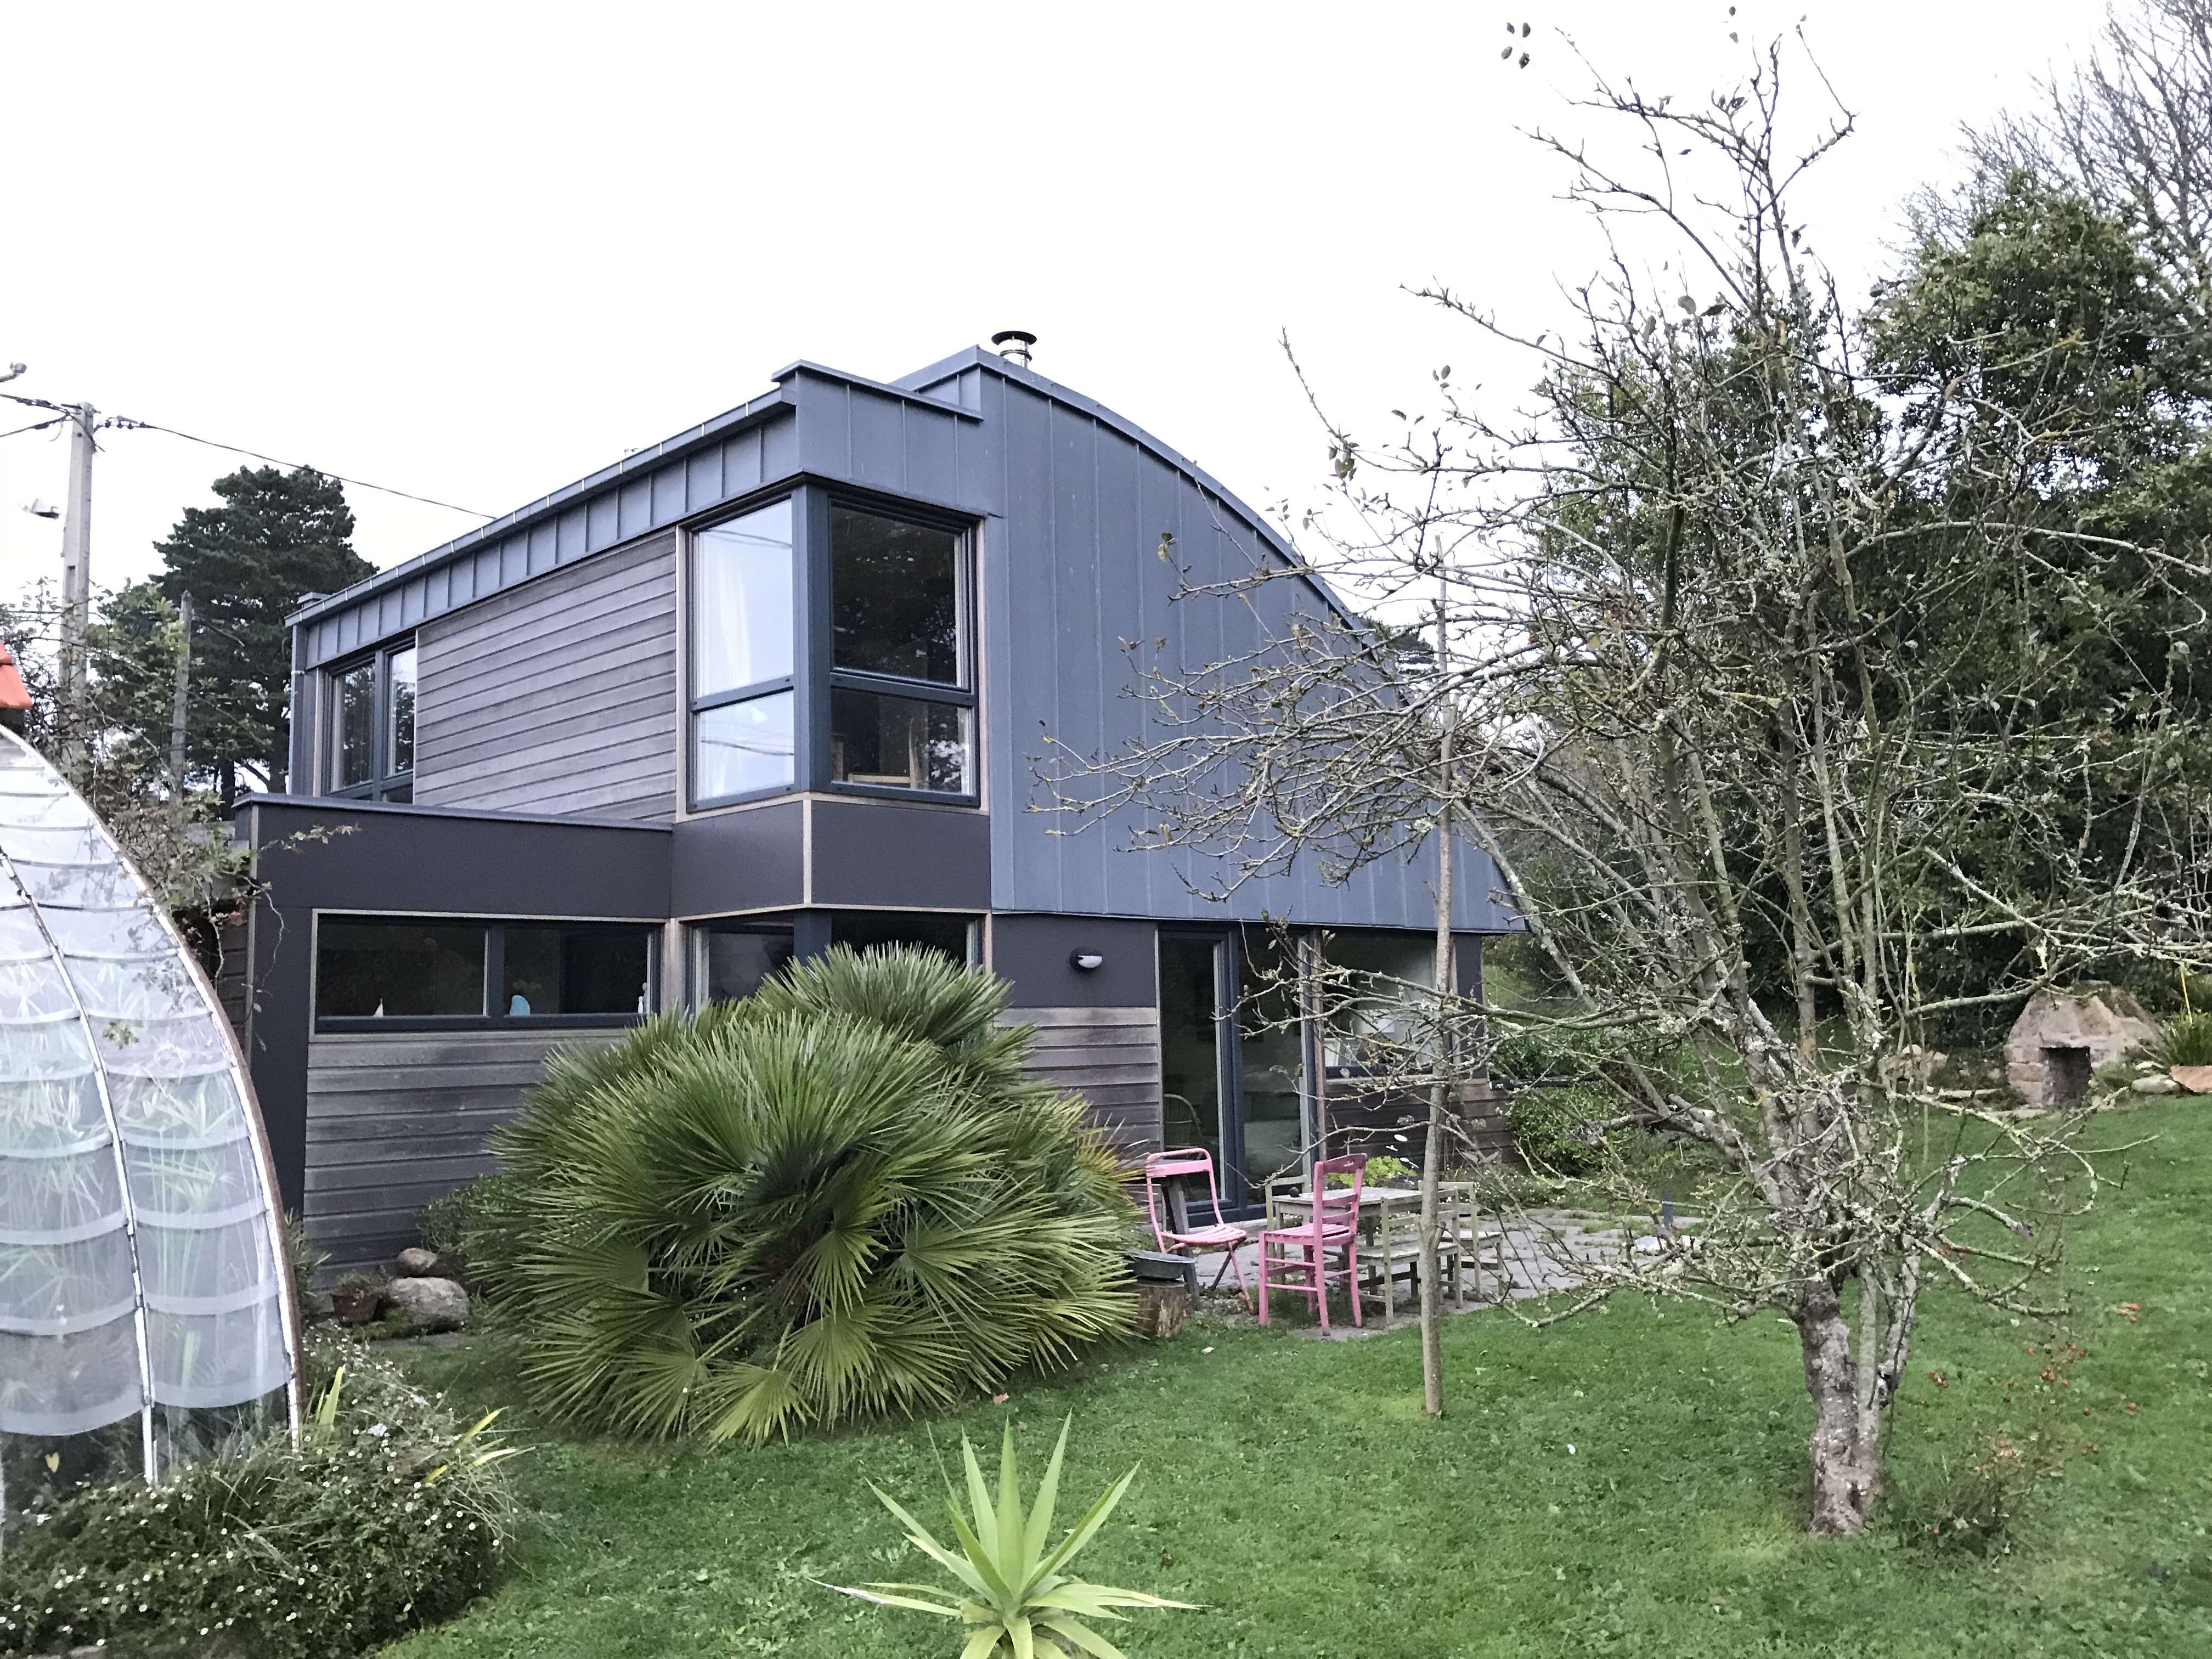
x=1299 y=1493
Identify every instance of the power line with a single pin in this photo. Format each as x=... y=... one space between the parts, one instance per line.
x=130 y=425
x=35 y=426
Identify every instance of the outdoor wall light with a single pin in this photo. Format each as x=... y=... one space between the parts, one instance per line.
x=1087 y=962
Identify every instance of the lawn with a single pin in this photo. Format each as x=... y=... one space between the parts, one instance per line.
x=1628 y=1483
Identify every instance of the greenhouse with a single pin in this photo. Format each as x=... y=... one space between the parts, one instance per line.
x=145 y=1312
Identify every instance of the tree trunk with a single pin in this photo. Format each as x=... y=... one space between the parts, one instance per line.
x=1845 y=1452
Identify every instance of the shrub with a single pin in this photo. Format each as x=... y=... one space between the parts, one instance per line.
x=469 y=1228
x=2184 y=1039
x=842 y=1198
x=1556 y=1129
x=386 y=1517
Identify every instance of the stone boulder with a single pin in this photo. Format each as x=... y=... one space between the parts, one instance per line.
x=416 y=1262
x=429 y=1304
x=2059 y=1040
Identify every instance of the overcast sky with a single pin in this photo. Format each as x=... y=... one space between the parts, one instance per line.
x=473 y=252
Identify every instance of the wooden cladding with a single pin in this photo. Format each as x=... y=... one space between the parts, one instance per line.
x=1111 y=1057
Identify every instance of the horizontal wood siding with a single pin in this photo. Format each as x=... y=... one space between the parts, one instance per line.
x=396 y=1120
x=559 y=696
x=1111 y=1057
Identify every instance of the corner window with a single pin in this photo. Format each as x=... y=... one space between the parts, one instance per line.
x=744 y=724
x=391 y=972
x=368 y=744
x=902 y=699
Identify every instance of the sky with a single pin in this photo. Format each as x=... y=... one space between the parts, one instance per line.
x=472 y=252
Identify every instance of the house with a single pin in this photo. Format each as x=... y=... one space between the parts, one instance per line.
x=777 y=682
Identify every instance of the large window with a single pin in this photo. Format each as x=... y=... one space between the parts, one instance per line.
x=371 y=971
x=743 y=707
x=368 y=744
x=902 y=703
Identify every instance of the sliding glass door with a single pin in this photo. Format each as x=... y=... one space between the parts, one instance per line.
x=1233 y=1076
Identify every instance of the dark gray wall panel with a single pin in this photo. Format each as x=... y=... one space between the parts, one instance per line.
x=1033 y=952
x=881 y=853
x=343 y=855
x=750 y=860
x=558 y=696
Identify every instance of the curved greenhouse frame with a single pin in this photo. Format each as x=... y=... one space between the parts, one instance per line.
x=146 y=1308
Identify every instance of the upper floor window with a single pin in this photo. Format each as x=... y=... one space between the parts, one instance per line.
x=744 y=722
x=902 y=699
x=830 y=646
x=369 y=740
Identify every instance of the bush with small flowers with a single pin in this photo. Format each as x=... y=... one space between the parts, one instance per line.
x=388 y=1516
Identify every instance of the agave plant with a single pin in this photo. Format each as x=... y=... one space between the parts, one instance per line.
x=1015 y=1598
x=842 y=1198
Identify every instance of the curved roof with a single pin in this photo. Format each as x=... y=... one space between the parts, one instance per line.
x=142 y=1272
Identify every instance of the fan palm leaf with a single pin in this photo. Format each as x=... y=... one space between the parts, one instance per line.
x=842 y=1198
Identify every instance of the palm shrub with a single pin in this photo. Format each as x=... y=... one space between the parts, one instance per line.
x=2184 y=1039
x=840 y=1197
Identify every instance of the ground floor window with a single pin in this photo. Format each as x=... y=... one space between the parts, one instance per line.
x=371 y=971
x=731 y=959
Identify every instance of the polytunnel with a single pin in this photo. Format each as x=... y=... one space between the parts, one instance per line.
x=146 y=1314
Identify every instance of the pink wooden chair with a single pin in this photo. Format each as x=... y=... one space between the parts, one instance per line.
x=1216 y=1235
x=1335 y=1225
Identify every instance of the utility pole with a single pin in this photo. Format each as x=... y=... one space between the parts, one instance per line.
x=177 y=707
x=77 y=561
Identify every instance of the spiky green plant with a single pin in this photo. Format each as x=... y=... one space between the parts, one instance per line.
x=1015 y=1599
x=842 y=1198
x=2184 y=1039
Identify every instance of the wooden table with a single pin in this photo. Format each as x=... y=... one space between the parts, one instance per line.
x=1390 y=1219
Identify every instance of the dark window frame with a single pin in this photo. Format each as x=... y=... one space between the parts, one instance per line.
x=815 y=674
x=494 y=963
x=383 y=782
x=822 y=649
x=697 y=704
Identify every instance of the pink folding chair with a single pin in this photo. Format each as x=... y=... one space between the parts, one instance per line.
x=1220 y=1235
x=1335 y=1225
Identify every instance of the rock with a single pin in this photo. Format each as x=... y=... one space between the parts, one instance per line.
x=429 y=1304
x=416 y=1262
x=2155 y=1085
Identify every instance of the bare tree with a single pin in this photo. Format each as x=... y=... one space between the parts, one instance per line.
x=1735 y=669
x=2131 y=129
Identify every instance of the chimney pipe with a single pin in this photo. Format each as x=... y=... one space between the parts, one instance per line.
x=1014 y=344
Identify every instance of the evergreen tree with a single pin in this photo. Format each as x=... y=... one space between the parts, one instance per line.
x=247 y=563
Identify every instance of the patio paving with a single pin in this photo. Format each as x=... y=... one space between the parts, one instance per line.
x=1519 y=1262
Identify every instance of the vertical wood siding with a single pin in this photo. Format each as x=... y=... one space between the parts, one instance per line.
x=396 y=1120
x=1111 y=1057
x=558 y=697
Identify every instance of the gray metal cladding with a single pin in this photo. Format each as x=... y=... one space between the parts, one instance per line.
x=1071 y=581
x=1071 y=499
x=559 y=696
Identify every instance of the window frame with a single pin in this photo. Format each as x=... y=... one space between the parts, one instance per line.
x=815 y=676
x=494 y=967
x=383 y=783
x=821 y=650
x=696 y=702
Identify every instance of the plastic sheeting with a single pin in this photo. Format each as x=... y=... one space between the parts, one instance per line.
x=142 y=1274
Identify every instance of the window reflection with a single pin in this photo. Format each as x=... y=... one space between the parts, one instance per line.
x=741 y=604
x=740 y=747
x=353 y=726
x=898 y=742
x=895 y=602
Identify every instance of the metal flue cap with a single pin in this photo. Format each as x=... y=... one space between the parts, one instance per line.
x=1014 y=344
